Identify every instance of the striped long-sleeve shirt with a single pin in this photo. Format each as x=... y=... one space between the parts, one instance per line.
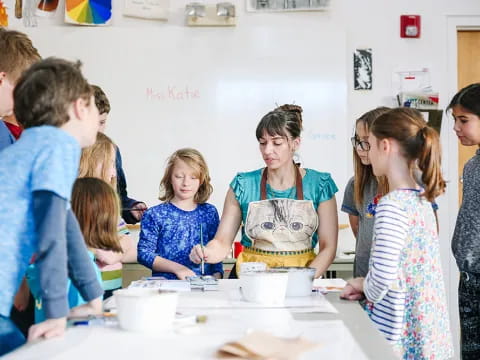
x=391 y=224
x=404 y=285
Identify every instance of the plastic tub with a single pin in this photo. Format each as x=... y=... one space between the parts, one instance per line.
x=300 y=280
x=146 y=310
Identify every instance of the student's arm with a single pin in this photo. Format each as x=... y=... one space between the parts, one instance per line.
x=161 y=264
x=327 y=236
x=217 y=249
x=391 y=224
x=50 y=216
x=129 y=248
x=147 y=250
x=107 y=257
x=128 y=254
x=349 y=207
x=131 y=217
x=354 y=224
x=80 y=267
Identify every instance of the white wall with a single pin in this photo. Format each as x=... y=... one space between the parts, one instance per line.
x=375 y=24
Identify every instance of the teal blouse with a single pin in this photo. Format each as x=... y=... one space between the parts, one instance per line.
x=317 y=187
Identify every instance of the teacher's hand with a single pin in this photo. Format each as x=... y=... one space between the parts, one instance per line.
x=198 y=253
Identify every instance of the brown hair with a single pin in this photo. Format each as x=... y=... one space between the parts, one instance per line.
x=195 y=160
x=363 y=174
x=101 y=100
x=102 y=152
x=17 y=54
x=285 y=120
x=418 y=141
x=468 y=98
x=97 y=208
x=46 y=90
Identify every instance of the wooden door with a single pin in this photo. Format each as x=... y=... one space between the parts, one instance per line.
x=468 y=73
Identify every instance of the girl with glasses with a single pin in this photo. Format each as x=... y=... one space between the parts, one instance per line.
x=361 y=191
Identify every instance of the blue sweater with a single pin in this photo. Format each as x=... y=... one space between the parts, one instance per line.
x=170 y=232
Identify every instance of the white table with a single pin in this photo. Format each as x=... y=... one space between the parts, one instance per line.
x=348 y=334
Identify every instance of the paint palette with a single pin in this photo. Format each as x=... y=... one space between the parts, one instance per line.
x=88 y=12
x=203 y=282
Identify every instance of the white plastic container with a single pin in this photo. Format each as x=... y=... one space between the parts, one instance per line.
x=264 y=287
x=252 y=266
x=146 y=310
x=300 y=280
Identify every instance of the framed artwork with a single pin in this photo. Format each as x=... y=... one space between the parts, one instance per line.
x=362 y=69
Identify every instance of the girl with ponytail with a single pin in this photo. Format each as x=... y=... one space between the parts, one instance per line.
x=404 y=288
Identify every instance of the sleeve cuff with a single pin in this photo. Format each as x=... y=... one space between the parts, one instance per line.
x=349 y=210
x=91 y=291
x=55 y=308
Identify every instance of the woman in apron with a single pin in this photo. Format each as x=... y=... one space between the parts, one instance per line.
x=284 y=210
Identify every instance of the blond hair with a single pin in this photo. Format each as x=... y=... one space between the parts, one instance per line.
x=97 y=208
x=195 y=160
x=17 y=54
x=101 y=153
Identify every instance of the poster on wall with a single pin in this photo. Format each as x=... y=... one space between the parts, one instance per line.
x=287 y=5
x=88 y=12
x=362 y=69
x=147 y=9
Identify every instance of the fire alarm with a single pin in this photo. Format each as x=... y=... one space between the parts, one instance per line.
x=410 y=26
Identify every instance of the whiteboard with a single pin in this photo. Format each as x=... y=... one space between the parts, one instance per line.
x=173 y=86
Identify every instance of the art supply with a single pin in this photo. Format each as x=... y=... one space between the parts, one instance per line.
x=135 y=209
x=146 y=310
x=300 y=280
x=203 y=254
x=101 y=320
x=204 y=282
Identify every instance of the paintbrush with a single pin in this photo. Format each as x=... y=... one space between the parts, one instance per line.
x=203 y=255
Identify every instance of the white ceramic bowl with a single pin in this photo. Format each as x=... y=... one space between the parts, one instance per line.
x=264 y=287
x=145 y=310
x=300 y=280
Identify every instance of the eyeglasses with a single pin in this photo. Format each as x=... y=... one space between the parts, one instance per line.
x=364 y=145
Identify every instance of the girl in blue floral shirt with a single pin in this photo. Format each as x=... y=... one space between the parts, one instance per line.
x=183 y=220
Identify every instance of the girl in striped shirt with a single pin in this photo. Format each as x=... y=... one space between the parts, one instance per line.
x=404 y=287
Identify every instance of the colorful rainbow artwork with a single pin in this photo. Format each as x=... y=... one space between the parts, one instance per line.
x=3 y=15
x=88 y=12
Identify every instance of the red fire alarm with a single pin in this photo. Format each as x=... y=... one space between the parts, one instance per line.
x=410 y=26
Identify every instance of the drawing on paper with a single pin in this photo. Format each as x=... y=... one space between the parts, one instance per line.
x=362 y=69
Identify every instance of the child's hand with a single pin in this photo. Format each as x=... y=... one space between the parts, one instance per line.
x=218 y=275
x=183 y=273
x=93 y=307
x=349 y=293
x=137 y=214
x=198 y=253
x=353 y=290
x=47 y=329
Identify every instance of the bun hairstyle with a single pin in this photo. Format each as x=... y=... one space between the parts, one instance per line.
x=285 y=120
x=418 y=141
x=468 y=98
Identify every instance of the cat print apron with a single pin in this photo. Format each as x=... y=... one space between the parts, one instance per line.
x=280 y=229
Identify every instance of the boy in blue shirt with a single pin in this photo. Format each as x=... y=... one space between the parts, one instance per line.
x=55 y=105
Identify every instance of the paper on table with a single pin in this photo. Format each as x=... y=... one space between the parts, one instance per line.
x=262 y=345
x=329 y=285
x=172 y=285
